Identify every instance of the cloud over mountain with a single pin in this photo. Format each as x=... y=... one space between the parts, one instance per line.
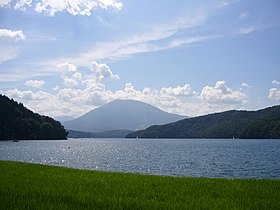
x=221 y=93
x=82 y=91
x=177 y=91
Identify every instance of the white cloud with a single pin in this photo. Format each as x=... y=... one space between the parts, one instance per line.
x=221 y=94
x=67 y=67
x=177 y=91
x=74 y=102
x=245 y=85
x=74 y=7
x=29 y=95
x=46 y=103
x=275 y=82
x=4 y=3
x=68 y=94
x=70 y=75
x=99 y=72
x=110 y=3
x=69 y=81
x=10 y=34
x=102 y=71
x=22 y=4
x=35 y=83
x=56 y=88
x=83 y=92
x=18 y=94
x=274 y=93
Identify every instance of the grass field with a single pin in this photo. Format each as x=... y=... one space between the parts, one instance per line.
x=30 y=186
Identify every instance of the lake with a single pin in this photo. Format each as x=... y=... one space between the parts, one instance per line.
x=171 y=157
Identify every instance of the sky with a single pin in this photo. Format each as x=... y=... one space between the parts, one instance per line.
x=63 y=58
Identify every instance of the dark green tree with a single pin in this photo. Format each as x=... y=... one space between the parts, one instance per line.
x=17 y=122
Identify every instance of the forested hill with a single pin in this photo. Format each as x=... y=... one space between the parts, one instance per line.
x=19 y=123
x=264 y=123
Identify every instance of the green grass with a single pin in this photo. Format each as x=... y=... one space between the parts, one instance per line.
x=30 y=186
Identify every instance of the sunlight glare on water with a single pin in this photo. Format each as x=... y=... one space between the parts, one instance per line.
x=191 y=157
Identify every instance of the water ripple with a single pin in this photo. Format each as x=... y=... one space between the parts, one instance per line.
x=192 y=157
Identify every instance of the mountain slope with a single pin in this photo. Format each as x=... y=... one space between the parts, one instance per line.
x=17 y=122
x=121 y=115
x=240 y=124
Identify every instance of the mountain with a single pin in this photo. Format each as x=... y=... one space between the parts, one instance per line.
x=17 y=122
x=121 y=115
x=264 y=124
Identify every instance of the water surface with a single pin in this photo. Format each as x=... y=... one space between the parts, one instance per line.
x=171 y=157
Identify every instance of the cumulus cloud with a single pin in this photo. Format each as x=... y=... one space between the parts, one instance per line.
x=29 y=95
x=177 y=91
x=74 y=7
x=274 y=93
x=221 y=94
x=22 y=4
x=4 y=3
x=67 y=67
x=99 y=72
x=46 y=103
x=70 y=75
x=275 y=82
x=74 y=102
x=102 y=71
x=82 y=92
x=10 y=34
x=35 y=83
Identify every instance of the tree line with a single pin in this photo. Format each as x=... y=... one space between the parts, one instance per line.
x=19 y=123
x=262 y=124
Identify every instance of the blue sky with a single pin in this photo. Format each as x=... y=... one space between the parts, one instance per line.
x=64 y=58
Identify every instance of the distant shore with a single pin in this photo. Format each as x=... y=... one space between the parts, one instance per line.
x=33 y=186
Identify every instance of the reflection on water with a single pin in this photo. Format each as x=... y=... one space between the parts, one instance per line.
x=192 y=157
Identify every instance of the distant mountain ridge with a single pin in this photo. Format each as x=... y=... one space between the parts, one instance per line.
x=264 y=123
x=121 y=115
x=105 y=134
